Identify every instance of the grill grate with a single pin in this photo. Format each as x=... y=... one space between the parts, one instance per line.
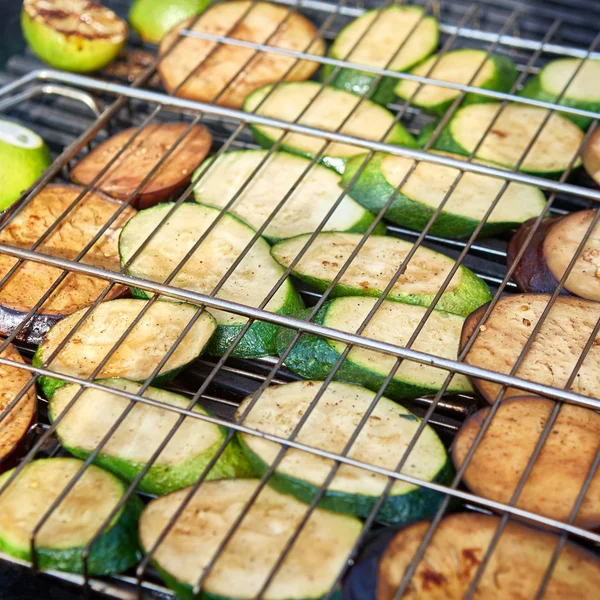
x=530 y=39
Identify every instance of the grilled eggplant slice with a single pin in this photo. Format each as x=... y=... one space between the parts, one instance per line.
x=73 y=35
x=251 y=281
x=550 y=251
x=554 y=352
x=15 y=426
x=516 y=568
x=382 y=442
x=137 y=355
x=314 y=357
x=309 y=570
x=225 y=77
x=560 y=469
x=73 y=233
x=374 y=266
x=61 y=540
x=141 y=157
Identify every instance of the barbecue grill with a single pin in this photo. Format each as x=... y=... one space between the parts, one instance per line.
x=74 y=113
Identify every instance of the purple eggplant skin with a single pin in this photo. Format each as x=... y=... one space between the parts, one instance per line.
x=532 y=274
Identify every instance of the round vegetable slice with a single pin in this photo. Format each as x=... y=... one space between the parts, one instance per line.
x=137 y=438
x=312 y=197
x=551 y=250
x=23 y=158
x=560 y=470
x=73 y=35
x=591 y=155
x=141 y=157
x=576 y=83
x=381 y=443
x=15 y=426
x=327 y=108
x=426 y=188
x=225 y=73
x=374 y=266
x=516 y=568
x=554 y=352
x=555 y=146
x=314 y=357
x=63 y=537
x=72 y=234
x=137 y=355
x=308 y=571
x=393 y=38
x=251 y=281
x=496 y=72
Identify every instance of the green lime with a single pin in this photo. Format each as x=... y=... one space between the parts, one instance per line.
x=23 y=157
x=152 y=19
x=73 y=35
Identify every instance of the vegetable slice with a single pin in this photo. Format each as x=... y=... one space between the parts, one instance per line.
x=63 y=537
x=31 y=280
x=138 y=437
x=308 y=571
x=73 y=35
x=554 y=352
x=551 y=250
x=459 y=66
x=225 y=73
x=249 y=284
x=138 y=355
x=313 y=196
x=141 y=157
x=393 y=38
x=560 y=469
x=326 y=108
x=516 y=568
x=427 y=187
x=374 y=266
x=581 y=92
x=591 y=156
x=553 y=150
x=382 y=442
x=314 y=357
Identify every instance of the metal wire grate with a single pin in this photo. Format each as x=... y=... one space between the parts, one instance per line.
x=221 y=384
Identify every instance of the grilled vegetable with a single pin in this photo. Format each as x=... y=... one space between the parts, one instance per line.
x=148 y=148
x=393 y=38
x=466 y=66
x=591 y=155
x=516 y=568
x=426 y=188
x=23 y=158
x=225 y=77
x=308 y=571
x=62 y=538
x=551 y=250
x=314 y=357
x=312 y=197
x=554 y=352
x=555 y=146
x=153 y=19
x=137 y=355
x=73 y=35
x=73 y=233
x=374 y=266
x=138 y=437
x=14 y=427
x=249 y=283
x=560 y=469
x=556 y=78
x=327 y=109
x=382 y=443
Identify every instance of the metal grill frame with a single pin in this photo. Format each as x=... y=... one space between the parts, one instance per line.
x=47 y=81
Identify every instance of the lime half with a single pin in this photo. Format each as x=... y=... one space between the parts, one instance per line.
x=23 y=157
x=73 y=35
